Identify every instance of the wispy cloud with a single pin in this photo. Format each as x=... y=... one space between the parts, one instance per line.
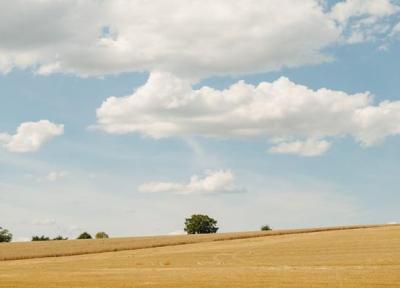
x=308 y=148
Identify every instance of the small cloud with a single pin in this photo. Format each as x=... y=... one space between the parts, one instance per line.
x=308 y=148
x=50 y=68
x=383 y=48
x=212 y=182
x=54 y=176
x=31 y=136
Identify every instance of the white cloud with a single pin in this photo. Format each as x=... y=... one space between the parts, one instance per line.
x=56 y=175
x=30 y=136
x=44 y=222
x=168 y=106
x=221 y=181
x=196 y=38
x=395 y=30
x=363 y=20
x=52 y=176
x=307 y=148
x=4 y=138
x=377 y=122
x=345 y=10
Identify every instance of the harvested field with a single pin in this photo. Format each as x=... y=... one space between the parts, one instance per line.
x=335 y=258
x=17 y=251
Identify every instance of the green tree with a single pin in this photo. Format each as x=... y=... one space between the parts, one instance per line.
x=84 y=235
x=200 y=224
x=59 y=237
x=265 y=228
x=5 y=235
x=101 y=235
x=40 y=238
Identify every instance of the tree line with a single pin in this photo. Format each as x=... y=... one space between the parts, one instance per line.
x=84 y=235
x=195 y=224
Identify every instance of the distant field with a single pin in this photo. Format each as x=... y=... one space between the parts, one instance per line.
x=368 y=257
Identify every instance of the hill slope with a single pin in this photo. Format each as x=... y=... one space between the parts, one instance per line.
x=41 y=249
x=338 y=258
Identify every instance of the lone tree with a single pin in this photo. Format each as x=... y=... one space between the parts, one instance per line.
x=101 y=235
x=84 y=235
x=265 y=228
x=200 y=224
x=5 y=235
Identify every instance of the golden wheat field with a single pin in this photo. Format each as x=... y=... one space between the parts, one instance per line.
x=358 y=257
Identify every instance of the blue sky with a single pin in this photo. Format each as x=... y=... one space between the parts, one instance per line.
x=131 y=176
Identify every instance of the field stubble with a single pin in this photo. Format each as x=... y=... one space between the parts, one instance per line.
x=334 y=258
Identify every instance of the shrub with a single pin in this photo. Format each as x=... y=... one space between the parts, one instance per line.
x=59 y=237
x=40 y=238
x=200 y=224
x=265 y=228
x=101 y=235
x=5 y=235
x=84 y=235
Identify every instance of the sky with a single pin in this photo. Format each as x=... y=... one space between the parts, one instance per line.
x=129 y=116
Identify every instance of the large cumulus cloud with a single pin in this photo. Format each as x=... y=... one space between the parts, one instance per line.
x=196 y=38
x=279 y=111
